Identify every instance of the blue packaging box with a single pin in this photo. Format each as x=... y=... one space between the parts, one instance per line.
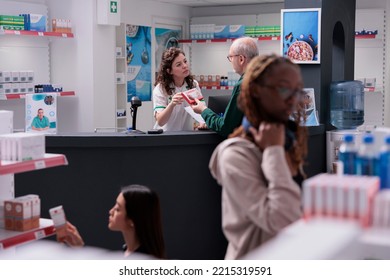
x=221 y=31
x=236 y=31
x=37 y=22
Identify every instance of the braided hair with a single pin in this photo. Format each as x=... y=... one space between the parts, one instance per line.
x=257 y=71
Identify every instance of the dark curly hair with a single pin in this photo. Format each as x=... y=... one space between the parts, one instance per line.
x=165 y=78
x=257 y=71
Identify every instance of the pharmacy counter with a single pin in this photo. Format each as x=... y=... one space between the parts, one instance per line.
x=175 y=165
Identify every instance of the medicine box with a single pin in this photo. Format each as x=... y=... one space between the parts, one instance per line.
x=22 y=146
x=221 y=31
x=236 y=31
x=6 y=121
x=5 y=76
x=37 y=22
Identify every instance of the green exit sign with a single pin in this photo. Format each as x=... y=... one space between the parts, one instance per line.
x=113 y=7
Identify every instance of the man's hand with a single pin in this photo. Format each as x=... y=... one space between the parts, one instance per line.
x=199 y=106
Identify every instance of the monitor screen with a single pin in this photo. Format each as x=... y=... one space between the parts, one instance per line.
x=218 y=103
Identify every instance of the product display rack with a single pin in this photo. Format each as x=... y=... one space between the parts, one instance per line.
x=22 y=50
x=121 y=87
x=36 y=33
x=370 y=62
x=10 y=239
x=9 y=168
x=226 y=40
x=9 y=96
x=265 y=38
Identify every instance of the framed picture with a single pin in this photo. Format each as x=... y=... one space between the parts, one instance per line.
x=301 y=35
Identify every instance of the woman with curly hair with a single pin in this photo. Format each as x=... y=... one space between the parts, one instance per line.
x=260 y=166
x=174 y=77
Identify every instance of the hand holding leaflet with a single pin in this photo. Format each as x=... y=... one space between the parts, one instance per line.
x=196 y=116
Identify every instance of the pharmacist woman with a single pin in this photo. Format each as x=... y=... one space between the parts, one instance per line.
x=173 y=78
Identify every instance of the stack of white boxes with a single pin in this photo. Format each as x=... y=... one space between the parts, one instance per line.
x=345 y=197
x=21 y=213
x=6 y=181
x=16 y=82
x=22 y=146
x=381 y=211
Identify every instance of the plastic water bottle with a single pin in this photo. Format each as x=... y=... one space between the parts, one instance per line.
x=367 y=158
x=384 y=164
x=346 y=104
x=347 y=154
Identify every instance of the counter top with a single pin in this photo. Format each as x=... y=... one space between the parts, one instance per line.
x=118 y=139
x=121 y=139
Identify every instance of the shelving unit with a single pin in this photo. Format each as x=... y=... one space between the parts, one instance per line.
x=36 y=33
x=28 y=50
x=10 y=239
x=370 y=62
x=7 y=170
x=121 y=88
x=23 y=95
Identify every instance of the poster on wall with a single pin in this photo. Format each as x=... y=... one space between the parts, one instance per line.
x=301 y=35
x=138 y=56
x=41 y=113
x=165 y=38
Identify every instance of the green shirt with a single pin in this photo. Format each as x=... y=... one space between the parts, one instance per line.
x=38 y=123
x=230 y=120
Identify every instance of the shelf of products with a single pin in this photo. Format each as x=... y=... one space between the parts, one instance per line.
x=227 y=40
x=270 y=38
x=36 y=33
x=23 y=95
x=121 y=86
x=10 y=238
x=50 y=160
x=218 y=87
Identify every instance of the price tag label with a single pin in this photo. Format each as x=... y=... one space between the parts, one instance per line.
x=64 y=35
x=40 y=34
x=274 y=38
x=229 y=40
x=40 y=164
x=208 y=41
x=39 y=234
x=17 y=32
x=1 y=246
x=213 y=87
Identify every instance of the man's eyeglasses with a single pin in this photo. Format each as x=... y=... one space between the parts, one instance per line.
x=230 y=57
x=287 y=93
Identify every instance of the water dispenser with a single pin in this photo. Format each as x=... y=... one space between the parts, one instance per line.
x=346 y=104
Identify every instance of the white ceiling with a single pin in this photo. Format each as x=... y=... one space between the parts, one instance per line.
x=203 y=3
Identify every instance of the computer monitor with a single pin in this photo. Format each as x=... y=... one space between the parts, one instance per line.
x=218 y=103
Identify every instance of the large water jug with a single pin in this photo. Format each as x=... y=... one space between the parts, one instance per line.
x=346 y=104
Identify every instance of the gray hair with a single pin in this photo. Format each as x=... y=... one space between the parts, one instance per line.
x=245 y=46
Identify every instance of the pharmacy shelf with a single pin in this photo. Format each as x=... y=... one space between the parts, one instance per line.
x=266 y=38
x=8 y=96
x=368 y=36
x=217 y=87
x=325 y=239
x=9 y=238
x=49 y=160
x=226 y=40
x=36 y=33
